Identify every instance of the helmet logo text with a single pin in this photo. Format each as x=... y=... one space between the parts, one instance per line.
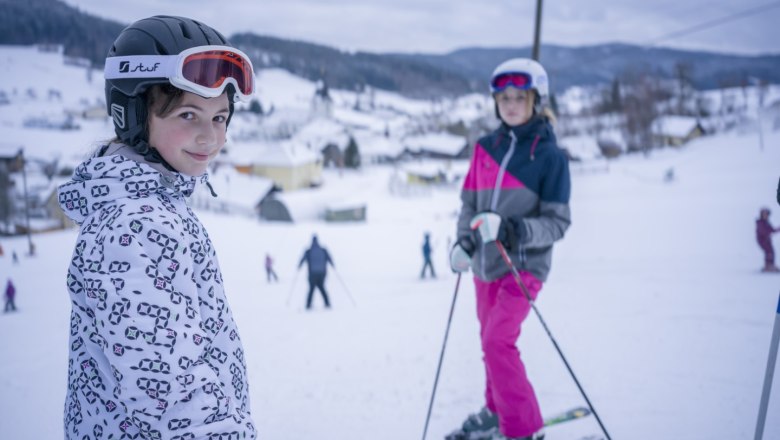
x=124 y=67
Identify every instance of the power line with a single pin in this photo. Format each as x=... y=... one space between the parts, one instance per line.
x=716 y=22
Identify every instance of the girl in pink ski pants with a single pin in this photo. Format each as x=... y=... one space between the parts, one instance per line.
x=501 y=309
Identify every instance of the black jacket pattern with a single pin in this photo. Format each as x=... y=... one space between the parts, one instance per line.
x=154 y=350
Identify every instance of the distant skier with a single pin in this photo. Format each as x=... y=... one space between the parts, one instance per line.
x=764 y=231
x=15 y=257
x=269 y=269
x=426 y=251
x=10 y=294
x=317 y=258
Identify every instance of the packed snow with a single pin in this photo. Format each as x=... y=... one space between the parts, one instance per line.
x=655 y=297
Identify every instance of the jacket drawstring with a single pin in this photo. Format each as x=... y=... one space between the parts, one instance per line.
x=211 y=189
x=533 y=146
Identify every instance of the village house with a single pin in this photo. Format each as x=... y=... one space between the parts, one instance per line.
x=288 y=164
x=672 y=130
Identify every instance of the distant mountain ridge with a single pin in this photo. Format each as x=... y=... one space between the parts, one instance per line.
x=415 y=75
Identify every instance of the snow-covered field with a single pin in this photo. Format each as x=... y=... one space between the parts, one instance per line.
x=655 y=297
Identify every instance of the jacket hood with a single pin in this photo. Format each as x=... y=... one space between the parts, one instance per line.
x=118 y=172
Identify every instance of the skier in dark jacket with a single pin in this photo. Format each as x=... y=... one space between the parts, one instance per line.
x=10 y=294
x=317 y=258
x=764 y=231
x=426 y=251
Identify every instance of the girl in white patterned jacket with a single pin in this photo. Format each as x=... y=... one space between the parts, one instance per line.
x=154 y=349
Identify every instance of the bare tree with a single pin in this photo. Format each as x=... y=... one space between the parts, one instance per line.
x=640 y=109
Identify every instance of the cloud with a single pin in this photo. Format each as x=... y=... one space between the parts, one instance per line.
x=439 y=26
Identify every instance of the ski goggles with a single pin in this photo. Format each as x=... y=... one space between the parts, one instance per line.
x=203 y=70
x=518 y=80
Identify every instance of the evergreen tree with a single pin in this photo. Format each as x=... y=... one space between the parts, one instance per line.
x=352 y=154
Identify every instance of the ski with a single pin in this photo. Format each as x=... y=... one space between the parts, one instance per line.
x=566 y=416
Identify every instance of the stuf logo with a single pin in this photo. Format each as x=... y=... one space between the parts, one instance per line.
x=125 y=67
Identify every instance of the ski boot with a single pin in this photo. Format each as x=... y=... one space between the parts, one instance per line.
x=538 y=435
x=479 y=426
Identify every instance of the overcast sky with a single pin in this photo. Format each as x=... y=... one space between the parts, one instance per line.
x=440 y=26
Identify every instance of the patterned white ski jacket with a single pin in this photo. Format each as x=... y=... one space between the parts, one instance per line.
x=154 y=350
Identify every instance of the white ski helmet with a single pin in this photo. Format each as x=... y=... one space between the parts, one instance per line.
x=522 y=73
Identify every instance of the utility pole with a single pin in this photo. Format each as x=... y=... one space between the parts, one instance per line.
x=538 y=30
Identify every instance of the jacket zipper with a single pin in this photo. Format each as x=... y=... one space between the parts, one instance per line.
x=497 y=187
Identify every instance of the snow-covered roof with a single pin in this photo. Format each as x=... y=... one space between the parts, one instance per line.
x=371 y=144
x=287 y=153
x=356 y=119
x=342 y=205
x=443 y=143
x=424 y=169
x=676 y=126
x=234 y=188
x=322 y=131
x=9 y=150
x=583 y=147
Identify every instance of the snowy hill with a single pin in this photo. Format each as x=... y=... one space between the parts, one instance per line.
x=655 y=297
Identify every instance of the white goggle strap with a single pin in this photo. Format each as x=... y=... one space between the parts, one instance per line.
x=141 y=66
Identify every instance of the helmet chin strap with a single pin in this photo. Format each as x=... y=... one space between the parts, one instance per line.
x=151 y=154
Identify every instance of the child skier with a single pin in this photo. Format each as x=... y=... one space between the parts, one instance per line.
x=10 y=294
x=764 y=231
x=154 y=350
x=515 y=193
x=269 y=269
x=427 y=250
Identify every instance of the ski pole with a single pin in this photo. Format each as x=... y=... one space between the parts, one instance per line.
x=441 y=357
x=292 y=288
x=523 y=287
x=344 y=285
x=770 y=371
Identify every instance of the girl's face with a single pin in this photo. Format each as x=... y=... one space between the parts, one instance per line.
x=192 y=134
x=515 y=106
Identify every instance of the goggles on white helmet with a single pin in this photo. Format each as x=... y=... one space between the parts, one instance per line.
x=521 y=73
x=203 y=70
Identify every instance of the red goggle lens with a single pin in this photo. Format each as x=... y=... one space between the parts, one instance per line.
x=520 y=81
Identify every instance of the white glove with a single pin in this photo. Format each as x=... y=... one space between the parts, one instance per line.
x=487 y=224
x=459 y=259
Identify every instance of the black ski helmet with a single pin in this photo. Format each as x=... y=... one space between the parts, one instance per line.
x=158 y=35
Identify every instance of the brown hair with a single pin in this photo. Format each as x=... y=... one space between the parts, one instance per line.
x=162 y=99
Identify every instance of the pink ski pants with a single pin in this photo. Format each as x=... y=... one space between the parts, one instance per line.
x=502 y=308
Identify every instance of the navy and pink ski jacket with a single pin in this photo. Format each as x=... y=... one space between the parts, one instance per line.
x=521 y=174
